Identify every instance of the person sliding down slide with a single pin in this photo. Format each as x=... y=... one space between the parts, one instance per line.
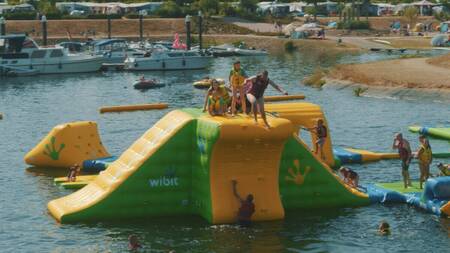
x=256 y=91
x=247 y=207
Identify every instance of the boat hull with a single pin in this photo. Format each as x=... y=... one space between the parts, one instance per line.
x=167 y=64
x=60 y=67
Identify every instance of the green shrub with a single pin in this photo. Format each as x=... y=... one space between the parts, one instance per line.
x=21 y=15
x=104 y=16
x=354 y=25
x=54 y=15
x=132 y=15
x=359 y=91
x=315 y=80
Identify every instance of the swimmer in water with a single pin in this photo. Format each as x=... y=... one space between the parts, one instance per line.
x=133 y=243
x=384 y=228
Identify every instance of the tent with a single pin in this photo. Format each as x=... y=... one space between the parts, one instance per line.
x=424 y=7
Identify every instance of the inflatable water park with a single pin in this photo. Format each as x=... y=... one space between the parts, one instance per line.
x=274 y=165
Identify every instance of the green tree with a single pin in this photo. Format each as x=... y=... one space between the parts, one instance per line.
x=411 y=14
x=209 y=6
x=170 y=9
x=248 y=5
x=314 y=12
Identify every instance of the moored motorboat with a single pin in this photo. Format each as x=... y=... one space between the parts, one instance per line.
x=168 y=60
x=24 y=56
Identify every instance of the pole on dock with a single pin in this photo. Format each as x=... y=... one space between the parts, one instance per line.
x=109 y=26
x=44 y=30
x=200 y=28
x=141 y=27
x=188 y=32
x=2 y=26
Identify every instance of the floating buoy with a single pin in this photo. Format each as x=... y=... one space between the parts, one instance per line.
x=284 y=98
x=128 y=108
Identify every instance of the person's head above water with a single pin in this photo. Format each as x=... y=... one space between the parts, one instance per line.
x=320 y=122
x=384 y=228
x=237 y=65
x=399 y=136
x=250 y=198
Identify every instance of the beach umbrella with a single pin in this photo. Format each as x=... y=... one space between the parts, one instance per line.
x=439 y=40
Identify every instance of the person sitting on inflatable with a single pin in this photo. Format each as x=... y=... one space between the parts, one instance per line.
x=445 y=169
x=350 y=177
x=73 y=172
x=247 y=207
x=217 y=99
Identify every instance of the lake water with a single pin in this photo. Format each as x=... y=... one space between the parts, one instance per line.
x=33 y=106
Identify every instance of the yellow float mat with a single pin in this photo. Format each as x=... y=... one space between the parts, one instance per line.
x=369 y=156
x=129 y=108
x=284 y=98
x=74 y=185
x=249 y=154
x=68 y=144
x=86 y=178
x=120 y=170
x=399 y=187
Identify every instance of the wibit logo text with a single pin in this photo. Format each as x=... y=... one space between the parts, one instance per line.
x=163 y=182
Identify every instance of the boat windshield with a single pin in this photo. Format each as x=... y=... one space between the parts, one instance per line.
x=113 y=46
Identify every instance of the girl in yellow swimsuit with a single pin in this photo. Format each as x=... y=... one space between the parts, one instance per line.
x=425 y=157
x=237 y=78
x=217 y=99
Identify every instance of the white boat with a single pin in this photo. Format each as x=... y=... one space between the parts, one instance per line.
x=241 y=50
x=19 y=52
x=168 y=60
x=115 y=50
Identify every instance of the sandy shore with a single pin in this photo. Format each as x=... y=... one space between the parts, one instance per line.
x=417 y=73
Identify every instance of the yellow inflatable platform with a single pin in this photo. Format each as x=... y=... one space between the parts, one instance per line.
x=274 y=165
x=66 y=145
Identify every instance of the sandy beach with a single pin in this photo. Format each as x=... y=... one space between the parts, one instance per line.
x=417 y=73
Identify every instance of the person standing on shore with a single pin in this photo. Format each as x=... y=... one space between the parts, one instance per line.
x=425 y=156
x=404 y=150
x=237 y=78
x=255 y=94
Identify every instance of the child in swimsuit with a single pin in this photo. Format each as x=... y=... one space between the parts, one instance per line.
x=350 y=177
x=321 y=135
x=237 y=79
x=73 y=172
x=217 y=99
x=404 y=151
x=424 y=155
